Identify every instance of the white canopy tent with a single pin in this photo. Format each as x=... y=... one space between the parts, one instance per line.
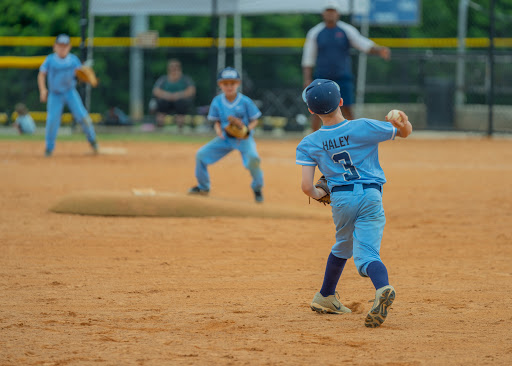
x=224 y=7
x=141 y=9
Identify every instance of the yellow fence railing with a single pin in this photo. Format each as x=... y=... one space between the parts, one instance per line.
x=188 y=42
x=19 y=62
x=40 y=116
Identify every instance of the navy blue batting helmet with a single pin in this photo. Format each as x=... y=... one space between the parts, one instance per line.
x=322 y=96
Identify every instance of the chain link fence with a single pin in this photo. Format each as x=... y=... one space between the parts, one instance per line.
x=420 y=77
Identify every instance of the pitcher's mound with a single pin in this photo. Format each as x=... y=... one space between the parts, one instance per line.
x=147 y=202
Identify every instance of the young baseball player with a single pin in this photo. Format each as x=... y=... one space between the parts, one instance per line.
x=346 y=152
x=228 y=105
x=24 y=121
x=59 y=68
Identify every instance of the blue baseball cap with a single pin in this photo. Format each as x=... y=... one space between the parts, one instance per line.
x=62 y=39
x=229 y=73
x=322 y=96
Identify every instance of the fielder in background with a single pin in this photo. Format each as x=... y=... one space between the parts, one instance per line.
x=235 y=116
x=327 y=48
x=24 y=121
x=60 y=68
x=346 y=152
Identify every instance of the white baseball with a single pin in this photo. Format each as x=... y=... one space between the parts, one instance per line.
x=394 y=115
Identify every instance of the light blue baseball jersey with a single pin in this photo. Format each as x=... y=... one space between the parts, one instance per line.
x=347 y=153
x=26 y=123
x=242 y=107
x=60 y=72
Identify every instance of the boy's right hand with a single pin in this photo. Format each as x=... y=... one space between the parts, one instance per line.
x=43 y=95
x=218 y=130
x=398 y=121
x=401 y=122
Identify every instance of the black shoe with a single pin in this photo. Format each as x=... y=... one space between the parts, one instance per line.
x=47 y=153
x=95 y=147
x=198 y=191
x=258 y=196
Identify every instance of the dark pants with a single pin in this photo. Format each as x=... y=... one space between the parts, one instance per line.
x=180 y=106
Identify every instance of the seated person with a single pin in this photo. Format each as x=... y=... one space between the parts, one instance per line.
x=24 y=122
x=174 y=94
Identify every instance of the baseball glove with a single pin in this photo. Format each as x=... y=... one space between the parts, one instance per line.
x=322 y=183
x=87 y=75
x=236 y=128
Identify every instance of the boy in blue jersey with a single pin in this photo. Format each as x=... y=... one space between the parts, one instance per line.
x=24 y=121
x=346 y=152
x=230 y=103
x=59 y=68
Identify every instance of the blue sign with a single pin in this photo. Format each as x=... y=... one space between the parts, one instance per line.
x=392 y=12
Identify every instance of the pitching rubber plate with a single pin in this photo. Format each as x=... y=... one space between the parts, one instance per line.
x=112 y=150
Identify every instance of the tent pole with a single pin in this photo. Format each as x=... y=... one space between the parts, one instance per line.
x=462 y=25
x=490 y=90
x=83 y=27
x=90 y=50
x=139 y=24
x=214 y=51
x=221 y=57
x=238 y=42
x=362 y=63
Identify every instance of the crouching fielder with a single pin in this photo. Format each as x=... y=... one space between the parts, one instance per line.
x=235 y=116
x=59 y=68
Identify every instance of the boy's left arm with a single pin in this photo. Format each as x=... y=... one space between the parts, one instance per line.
x=308 y=185
x=253 y=114
x=253 y=124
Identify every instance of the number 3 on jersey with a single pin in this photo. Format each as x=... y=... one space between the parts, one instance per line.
x=344 y=159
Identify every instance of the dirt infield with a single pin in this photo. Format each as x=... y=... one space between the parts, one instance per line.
x=87 y=290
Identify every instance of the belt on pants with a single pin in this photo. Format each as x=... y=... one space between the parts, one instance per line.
x=350 y=187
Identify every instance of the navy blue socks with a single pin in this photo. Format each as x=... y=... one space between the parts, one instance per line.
x=376 y=271
x=333 y=271
x=378 y=274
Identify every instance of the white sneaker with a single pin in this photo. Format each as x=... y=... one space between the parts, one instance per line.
x=328 y=305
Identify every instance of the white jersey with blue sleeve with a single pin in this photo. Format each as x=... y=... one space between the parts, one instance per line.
x=347 y=153
x=60 y=72
x=328 y=49
x=242 y=107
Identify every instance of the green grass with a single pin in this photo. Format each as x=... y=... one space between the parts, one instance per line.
x=149 y=137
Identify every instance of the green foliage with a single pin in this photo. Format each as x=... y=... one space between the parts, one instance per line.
x=36 y=18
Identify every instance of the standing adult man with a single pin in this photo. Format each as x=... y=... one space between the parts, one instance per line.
x=174 y=94
x=327 y=49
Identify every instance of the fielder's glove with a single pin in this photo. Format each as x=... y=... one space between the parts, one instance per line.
x=236 y=128
x=322 y=183
x=86 y=74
